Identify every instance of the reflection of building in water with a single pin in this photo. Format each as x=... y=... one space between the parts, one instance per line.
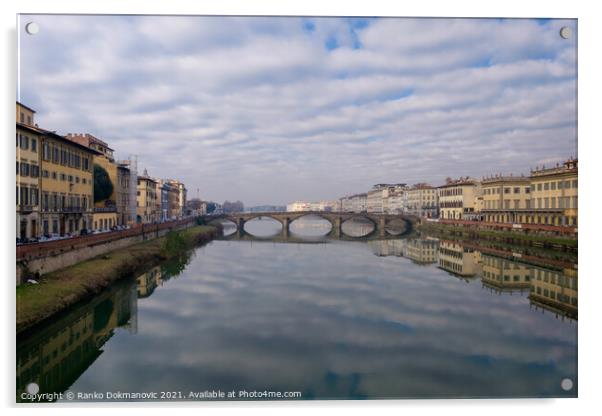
x=387 y=247
x=421 y=251
x=56 y=355
x=502 y=275
x=147 y=282
x=555 y=291
x=459 y=260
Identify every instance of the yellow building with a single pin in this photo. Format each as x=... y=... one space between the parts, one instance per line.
x=555 y=291
x=105 y=213
x=458 y=199
x=421 y=251
x=28 y=174
x=146 y=200
x=503 y=275
x=506 y=199
x=459 y=260
x=421 y=200
x=554 y=195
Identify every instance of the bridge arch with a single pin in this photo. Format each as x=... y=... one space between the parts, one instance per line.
x=319 y=215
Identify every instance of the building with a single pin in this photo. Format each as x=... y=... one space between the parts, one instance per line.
x=328 y=206
x=422 y=200
x=458 y=199
x=554 y=195
x=196 y=207
x=106 y=213
x=394 y=201
x=28 y=174
x=177 y=194
x=505 y=198
x=146 y=200
x=123 y=195
x=67 y=185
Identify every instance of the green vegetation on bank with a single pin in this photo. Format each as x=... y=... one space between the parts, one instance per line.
x=509 y=236
x=63 y=288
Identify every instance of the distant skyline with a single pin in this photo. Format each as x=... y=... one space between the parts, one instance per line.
x=268 y=110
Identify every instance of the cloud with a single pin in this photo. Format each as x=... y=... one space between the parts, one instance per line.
x=268 y=110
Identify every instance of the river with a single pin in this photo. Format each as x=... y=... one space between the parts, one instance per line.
x=402 y=317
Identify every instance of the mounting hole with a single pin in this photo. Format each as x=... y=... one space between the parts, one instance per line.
x=32 y=28
x=565 y=32
x=32 y=388
x=566 y=384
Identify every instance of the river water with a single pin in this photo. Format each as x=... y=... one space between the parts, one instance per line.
x=413 y=317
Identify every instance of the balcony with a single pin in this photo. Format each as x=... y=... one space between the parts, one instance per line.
x=105 y=209
x=25 y=209
x=72 y=210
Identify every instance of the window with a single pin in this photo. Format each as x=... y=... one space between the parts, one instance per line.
x=46 y=151
x=22 y=117
x=517 y=190
x=528 y=190
x=24 y=169
x=546 y=186
x=553 y=186
x=575 y=183
x=63 y=177
x=54 y=175
x=35 y=171
x=45 y=173
x=539 y=187
x=17 y=167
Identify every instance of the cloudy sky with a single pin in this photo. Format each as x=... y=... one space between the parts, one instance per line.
x=270 y=110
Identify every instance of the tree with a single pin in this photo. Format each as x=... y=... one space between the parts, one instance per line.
x=210 y=207
x=237 y=206
x=103 y=187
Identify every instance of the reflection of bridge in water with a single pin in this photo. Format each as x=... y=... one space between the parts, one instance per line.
x=282 y=237
x=381 y=222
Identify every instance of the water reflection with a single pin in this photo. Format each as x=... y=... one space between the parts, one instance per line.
x=347 y=319
x=310 y=226
x=263 y=227
x=56 y=355
x=358 y=227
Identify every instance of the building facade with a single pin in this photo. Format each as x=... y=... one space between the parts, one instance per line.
x=146 y=200
x=67 y=200
x=554 y=195
x=124 y=216
x=28 y=174
x=105 y=215
x=458 y=199
x=422 y=200
x=506 y=199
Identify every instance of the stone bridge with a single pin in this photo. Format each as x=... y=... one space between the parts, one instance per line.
x=336 y=220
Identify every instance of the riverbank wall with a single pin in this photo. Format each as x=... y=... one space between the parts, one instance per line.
x=61 y=289
x=536 y=235
x=36 y=260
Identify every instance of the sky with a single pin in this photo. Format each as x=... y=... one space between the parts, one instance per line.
x=269 y=110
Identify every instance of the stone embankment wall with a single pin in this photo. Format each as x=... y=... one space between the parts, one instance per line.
x=41 y=258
